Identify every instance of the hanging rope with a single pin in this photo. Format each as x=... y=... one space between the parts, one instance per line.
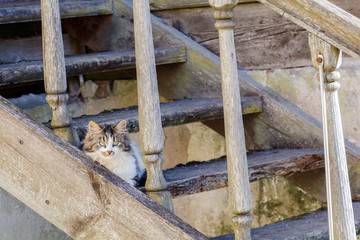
x=320 y=60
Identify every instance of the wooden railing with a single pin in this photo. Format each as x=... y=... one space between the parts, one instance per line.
x=239 y=186
x=331 y=29
x=151 y=134
x=54 y=70
x=327 y=59
x=340 y=30
x=319 y=17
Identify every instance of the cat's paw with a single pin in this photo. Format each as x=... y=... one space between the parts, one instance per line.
x=132 y=182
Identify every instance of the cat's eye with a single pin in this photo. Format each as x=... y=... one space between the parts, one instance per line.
x=115 y=143
x=102 y=144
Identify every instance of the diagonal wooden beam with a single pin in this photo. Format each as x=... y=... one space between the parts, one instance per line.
x=58 y=182
x=323 y=19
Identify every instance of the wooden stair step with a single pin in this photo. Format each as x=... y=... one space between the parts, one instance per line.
x=197 y=177
x=172 y=113
x=312 y=225
x=86 y=64
x=13 y=12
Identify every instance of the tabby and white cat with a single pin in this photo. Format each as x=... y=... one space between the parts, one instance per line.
x=111 y=147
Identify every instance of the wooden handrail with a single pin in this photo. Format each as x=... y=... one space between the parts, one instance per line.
x=323 y=19
x=81 y=198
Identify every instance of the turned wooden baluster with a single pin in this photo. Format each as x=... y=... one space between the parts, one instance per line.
x=151 y=134
x=54 y=70
x=239 y=187
x=342 y=211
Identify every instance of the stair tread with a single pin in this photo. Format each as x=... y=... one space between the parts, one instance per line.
x=76 y=8
x=312 y=225
x=87 y=63
x=197 y=177
x=172 y=113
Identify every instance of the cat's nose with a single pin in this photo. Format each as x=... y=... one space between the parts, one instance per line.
x=109 y=152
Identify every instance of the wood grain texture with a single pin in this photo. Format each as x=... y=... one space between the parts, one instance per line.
x=340 y=186
x=58 y=182
x=264 y=39
x=343 y=218
x=198 y=177
x=27 y=49
x=53 y=48
x=87 y=64
x=280 y=125
x=172 y=113
x=156 y=5
x=151 y=133
x=323 y=19
x=54 y=70
x=239 y=186
x=312 y=225
x=332 y=56
x=23 y=13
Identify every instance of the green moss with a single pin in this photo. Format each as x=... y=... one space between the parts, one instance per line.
x=226 y=228
x=277 y=199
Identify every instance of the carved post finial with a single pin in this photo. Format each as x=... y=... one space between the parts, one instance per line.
x=224 y=13
x=239 y=187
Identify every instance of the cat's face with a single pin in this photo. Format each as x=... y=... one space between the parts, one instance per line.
x=106 y=140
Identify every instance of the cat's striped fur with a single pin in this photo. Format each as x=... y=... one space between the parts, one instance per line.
x=111 y=147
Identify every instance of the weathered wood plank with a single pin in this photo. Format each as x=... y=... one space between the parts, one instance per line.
x=87 y=63
x=7 y=3
x=172 y=113
x=280 y=125
x=263 y=38
x=323 y=19
x=311 y=225
x=206 y=176
x=27 y=49
x=238 y=179
x=342 y=219
x=32 y=12
x=151 y=132
x=156 y=5
x=58 y=182
x=54 y=70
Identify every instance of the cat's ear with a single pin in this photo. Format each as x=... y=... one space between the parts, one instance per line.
x=121 y=127
x=93 y=127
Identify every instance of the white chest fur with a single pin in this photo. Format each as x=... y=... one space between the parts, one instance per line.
x=125 y=164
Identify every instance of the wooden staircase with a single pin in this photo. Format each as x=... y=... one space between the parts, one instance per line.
x=297 y=227
x=287 y=154
x=15 y=73
x=29 y=10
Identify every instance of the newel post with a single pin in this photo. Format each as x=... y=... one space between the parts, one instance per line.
x=239 y=187
x=54 y=70
x=342 y=211
x=151 y=134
